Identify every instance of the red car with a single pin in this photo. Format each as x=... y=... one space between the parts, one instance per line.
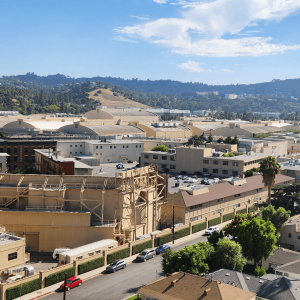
x=71 y=282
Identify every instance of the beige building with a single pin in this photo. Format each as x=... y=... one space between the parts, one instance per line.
x=124 y=114
x=290 y=234
x=164 y=130
x=292 y=170
x=48 y=207
x=171 y=144
x=214 y=201
x=12 y=254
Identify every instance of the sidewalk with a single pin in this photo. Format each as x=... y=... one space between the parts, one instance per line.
x=86 y=276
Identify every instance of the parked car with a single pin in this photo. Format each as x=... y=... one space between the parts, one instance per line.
x=195 y=176
x=187 y=180
x=146 y=254
x=130 y=161
x=162 y=248
x=193 y=180
x=216 y=180
x=185 y=177
x=211 y=229
x=179 y=177
x=204 y=180
x=14 y=278
x=208 y=182
x=182 y=172
x=71 y=283
x=120 y=166
x=206 y=174
x=116 y=265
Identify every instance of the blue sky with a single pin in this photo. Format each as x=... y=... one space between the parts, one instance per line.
x=215 y=42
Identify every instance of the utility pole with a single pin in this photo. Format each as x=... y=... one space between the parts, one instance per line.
x=173 y=221
x=65 y=287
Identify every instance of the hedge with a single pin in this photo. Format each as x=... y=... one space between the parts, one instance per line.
x=242 y=211
x=90 y=265
x=199 y=227
x=252 y=208
x=163 y=239
x=140 y=247
x=27 y=287
x=228 y=217
x=118 y=255
x=214 y=222
x=59 y=276
x=182 y=232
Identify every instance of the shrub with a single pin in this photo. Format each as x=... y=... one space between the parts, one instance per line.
x=259 y=271
x=228 y=217
x=199 y=227
x=161 y=148
x=225 y=155
x=118 y=255
x=230 y=154
x=182 y=232
x=214 y=222
x=242 y=211
x=140 y=247
x=163 y=239
x=253 y=208
x=59 y=276
x=27 y=287
x=91 y=265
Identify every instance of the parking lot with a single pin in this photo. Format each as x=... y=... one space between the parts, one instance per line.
x=42 y=261
x=110 y=169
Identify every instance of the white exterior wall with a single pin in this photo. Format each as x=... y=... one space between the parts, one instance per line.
x=71 y=146
x=3 y=159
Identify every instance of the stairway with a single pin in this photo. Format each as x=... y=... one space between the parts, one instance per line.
x=10 y=201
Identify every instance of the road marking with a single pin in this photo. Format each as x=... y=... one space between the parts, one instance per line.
x=117 y=285
x=144 y=273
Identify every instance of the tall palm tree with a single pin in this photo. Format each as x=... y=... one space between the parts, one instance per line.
x=269 y=168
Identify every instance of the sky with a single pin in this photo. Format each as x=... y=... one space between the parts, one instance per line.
x=214 y=42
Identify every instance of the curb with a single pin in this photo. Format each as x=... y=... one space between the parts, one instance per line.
x=40 y=296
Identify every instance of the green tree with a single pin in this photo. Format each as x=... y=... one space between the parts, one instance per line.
x=235 y=141
x=257 y=238
x=161 y=148
x=229 y=255
x=215 y=237
x=191 y=259
x=277 y=217
x=3 y=135
x=194 y=141
x=249 y=173
x=269 y=168
x=228 y=140
x=220 y=140
x=259 y=271
x=210 y=139
x=234 y=226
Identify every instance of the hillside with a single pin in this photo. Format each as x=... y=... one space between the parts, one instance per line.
x=108 y=99
x=275 y=87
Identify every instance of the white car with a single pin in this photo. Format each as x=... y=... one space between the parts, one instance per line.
x=179 y=177
x=206 y=174
x=216 y=180
x=211 y=229
x=188 y=180
x=193 y=180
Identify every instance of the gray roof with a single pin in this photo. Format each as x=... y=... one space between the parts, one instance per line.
x=293 y=267
x=283 y=256
x=280 y=288
x=115 y=129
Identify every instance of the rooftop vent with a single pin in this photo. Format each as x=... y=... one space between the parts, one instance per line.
x=227 y=274
x=248 y=278
x=261 y=281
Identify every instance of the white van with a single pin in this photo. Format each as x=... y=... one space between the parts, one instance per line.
x=57 y=251
x=14 y=278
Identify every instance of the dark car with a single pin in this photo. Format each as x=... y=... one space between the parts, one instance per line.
x=71 y=283
x=146 y=254
x=162 y=248
x=116 y=265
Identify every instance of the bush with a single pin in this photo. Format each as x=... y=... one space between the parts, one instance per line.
x=27 y=287
x=228 y=217
x=140 y=247
x=90 y=265
x=182 y=232
x=118 y=255
x=225 y=155
x=230 y=154
x=259 y=271
x=59 y=276
x=242 y=211
x=199 y=227
x=161 y=148
x=163 y=239
x=253 y=208
x=214 y=222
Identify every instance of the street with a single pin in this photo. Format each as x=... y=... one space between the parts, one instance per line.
x=123 y=283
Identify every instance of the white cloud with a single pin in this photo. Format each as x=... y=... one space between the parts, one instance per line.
x=160 y=1
x=193 y=66
x=202 y=25
x=121 y=38
x=227 y=71
x=140 y=17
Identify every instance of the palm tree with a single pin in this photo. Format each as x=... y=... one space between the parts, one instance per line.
x=269 y=168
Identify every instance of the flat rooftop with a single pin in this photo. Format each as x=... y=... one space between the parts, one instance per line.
x=6 y=238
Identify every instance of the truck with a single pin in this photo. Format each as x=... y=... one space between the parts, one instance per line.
x=57 y=251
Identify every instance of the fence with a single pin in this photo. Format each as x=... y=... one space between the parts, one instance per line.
x=80 y=266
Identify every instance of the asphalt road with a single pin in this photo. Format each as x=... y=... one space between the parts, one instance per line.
x=123 y=283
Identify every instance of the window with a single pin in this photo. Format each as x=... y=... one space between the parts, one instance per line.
x=205 y=161
x=15 y=150
x=290 y=235
x=100 y=147
x=26 y=150
x=164 y=157
x=123 y=146
x=259 y=190
x=215 y=171
x=15 y=158
x=136 y=146
x=172 y=167
x=115 y=147
x=33 y=158
x=80 y=145
x=81 y=152
x=96 y=153
x=221 y=200
x=75 y=145
x=140 y=146
x=91 y=253
x=220 y=210
x=79 y=257
x=235 y=173
x=155 y=157
x=98 y=251
x=146 y=156
x=215 y=162
x=71 y=152
x=196 y=206
x=235 y=164
x=96 y=147
x=224 y=171
x=127 y=146
x=194 y=219
x=237 y=205
x=26 y=158
x=8 y=150
x=225 y=163
x=163 y=166
x=13 y=255
x=0 y=166
x=71 y=146
x=75 y=152
x=237 y=195
x=76 y=125
x=1 y=149
x=110 y=147
x=205 y=170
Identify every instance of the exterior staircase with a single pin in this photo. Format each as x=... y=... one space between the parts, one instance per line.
x=11 y=201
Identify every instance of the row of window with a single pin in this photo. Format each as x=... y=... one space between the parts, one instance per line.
x=225 y=163
x=100 y=147
x=26 y=158
x=13 y=255
x=8 y=149
x=195 y=218
x=196 y=206
x=224 y=172
x=76 y=146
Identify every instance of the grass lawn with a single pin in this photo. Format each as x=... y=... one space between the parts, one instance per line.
x=134 y=297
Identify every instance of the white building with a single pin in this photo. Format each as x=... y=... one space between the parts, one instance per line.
x=206 y=93
x=114 y=151
x=3 y=158
x=231 y=96
x=163 y=111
